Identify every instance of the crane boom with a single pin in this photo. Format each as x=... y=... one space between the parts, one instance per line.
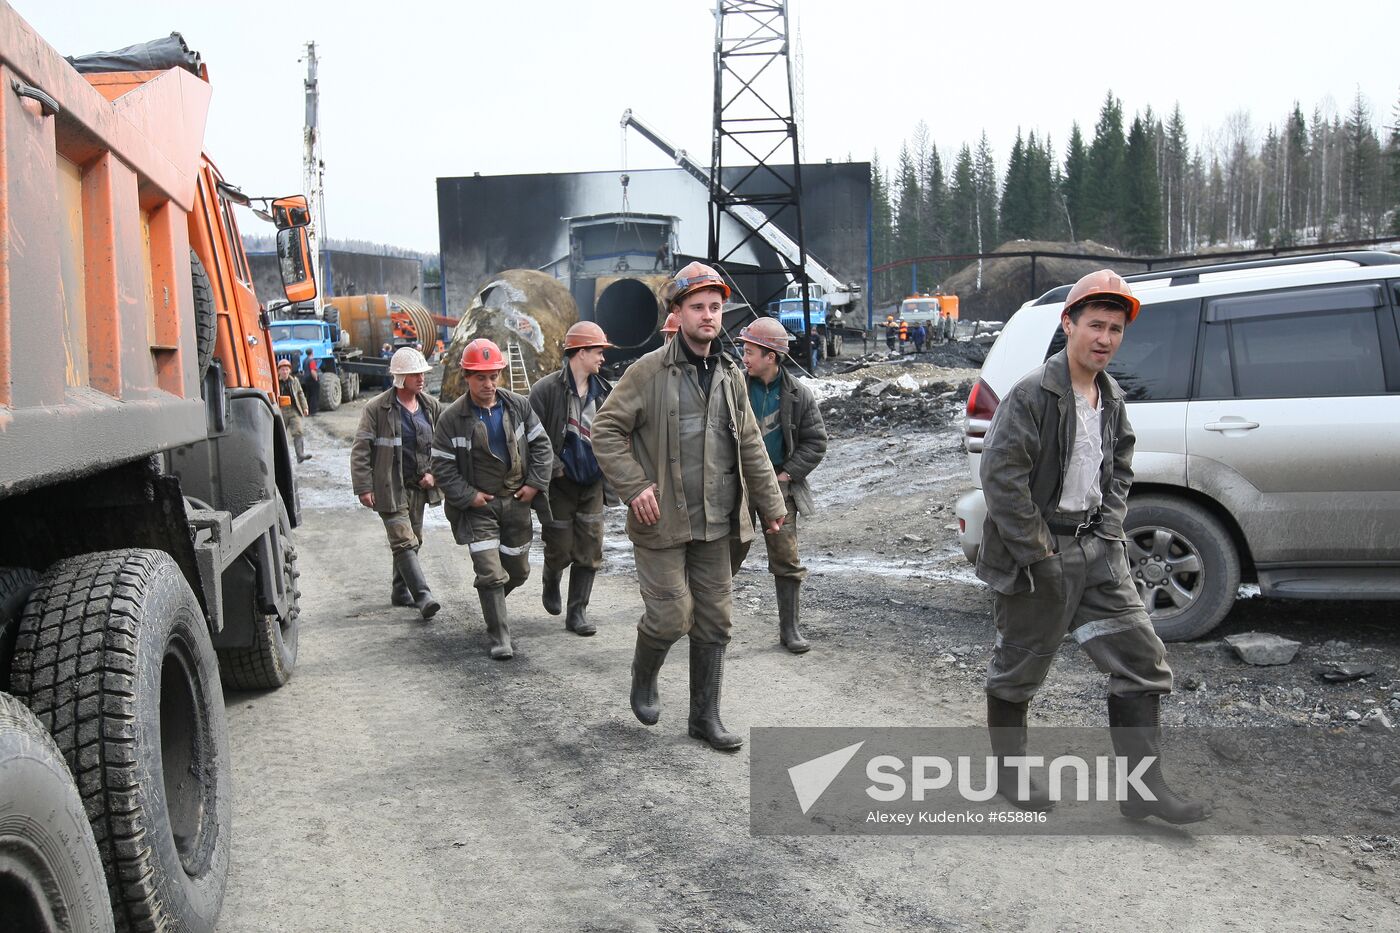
x=838 y=293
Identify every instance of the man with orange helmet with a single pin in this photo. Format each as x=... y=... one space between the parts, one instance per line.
x=795 y=437
x=566 y=402
x=679 y=443
x=1056 y=469
x=493 y=464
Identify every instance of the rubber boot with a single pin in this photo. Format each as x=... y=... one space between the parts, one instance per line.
x=1006 y=723
x=400 y=596
x=580 y=589
x=1137 y=734
x=550 y=597
x=646 y=664
x=300 y=444
x=406 y=562
x=789 y=605
x=493 y=610
x=706 y=679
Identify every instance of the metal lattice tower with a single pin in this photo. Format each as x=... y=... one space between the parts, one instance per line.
x=756 y=132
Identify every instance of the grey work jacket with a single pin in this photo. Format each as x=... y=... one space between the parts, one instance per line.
x=374 y=455
x=452 y=456
x=804 y=438
x=1024 y=460
x=636 y=438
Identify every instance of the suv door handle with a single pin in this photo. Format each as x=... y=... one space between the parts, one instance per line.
x=1231 y=425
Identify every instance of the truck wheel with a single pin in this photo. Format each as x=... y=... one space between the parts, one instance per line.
x=15 y=586
x=270 y=662
x=113 y=656
x=349 y=386
x=206 y=319
x=329 y=390
x=50 y=871
x=1184 y=564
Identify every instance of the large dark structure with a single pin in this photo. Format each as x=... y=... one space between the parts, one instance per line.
x=346 y=273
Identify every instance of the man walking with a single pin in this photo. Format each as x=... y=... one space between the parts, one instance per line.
x=294 y=410
x=566 y=402
x=678 y=442
x=891 y=331
x=392 y=472
x=794 y=437
x=493 y=465
x=1056 y=469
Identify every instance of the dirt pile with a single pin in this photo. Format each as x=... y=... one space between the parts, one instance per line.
x=885 y=399
x=1006 y=283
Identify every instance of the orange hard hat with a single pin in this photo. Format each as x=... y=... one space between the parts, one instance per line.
x=673 y=323
x=1106 y=286
x=768 y=333
x=585 y=334
x=693 y=277
x=284 y=362
x=483 y=356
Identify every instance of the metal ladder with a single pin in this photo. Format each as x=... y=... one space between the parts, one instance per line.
x=519 y=381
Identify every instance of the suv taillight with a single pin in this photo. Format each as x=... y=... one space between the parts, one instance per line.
x=981 y=405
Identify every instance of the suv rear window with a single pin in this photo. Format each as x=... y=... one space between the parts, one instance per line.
x=1308 y=343
x=1153 y=364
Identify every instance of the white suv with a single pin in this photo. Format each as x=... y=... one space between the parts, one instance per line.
x=1266 y=401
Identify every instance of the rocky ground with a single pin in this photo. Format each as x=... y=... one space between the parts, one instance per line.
x=403 y=781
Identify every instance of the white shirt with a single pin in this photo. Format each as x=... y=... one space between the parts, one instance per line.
x=1081 y=491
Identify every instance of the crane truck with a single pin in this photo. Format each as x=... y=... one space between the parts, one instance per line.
x=146 y=487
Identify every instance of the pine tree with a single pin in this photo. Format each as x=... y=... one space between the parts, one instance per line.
x=1362 y=165
x=882 y=223
x=1074 y=185
x=1393 y=156
x=1041 y=188
x=1142 y=210
x=935 y=214
x=908 y=207
x=1015 y=194
x=1174 y=180
x=1106 y=183
x=985 y=172
x=962 y=206
x=1295 y=189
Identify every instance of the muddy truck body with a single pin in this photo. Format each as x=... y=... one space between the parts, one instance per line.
x=146 y=487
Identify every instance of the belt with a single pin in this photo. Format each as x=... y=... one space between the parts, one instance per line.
x=1076 y=529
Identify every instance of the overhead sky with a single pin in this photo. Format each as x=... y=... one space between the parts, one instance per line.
x=413 y=90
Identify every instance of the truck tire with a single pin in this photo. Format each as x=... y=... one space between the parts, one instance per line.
x=270 y=662
x=50 y=870
x=16 y=583
x=114 y=658
x=206 y=319
x=1184 y=564
x=328 y=387
x=349 y=386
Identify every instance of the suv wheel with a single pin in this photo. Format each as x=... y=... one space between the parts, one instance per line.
x=1184 y=564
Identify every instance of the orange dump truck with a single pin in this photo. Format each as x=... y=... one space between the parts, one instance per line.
x=146 y=489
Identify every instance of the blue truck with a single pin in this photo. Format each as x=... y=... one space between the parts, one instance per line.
x=302 y=336
x=826 y=320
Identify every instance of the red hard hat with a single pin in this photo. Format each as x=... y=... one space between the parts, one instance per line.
x=1106 y=286
x=483 y=356
x=585 y=334
x=673 y=323
x=693 y=277
x=768 y=333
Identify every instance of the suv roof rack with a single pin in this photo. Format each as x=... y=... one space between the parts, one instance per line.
x=1191 y=275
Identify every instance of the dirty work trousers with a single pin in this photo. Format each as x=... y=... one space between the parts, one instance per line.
x=405 y=526
x=575 y=535
x=685 y=591
x=500 y=546
x=783 y=560
x=1087 y=591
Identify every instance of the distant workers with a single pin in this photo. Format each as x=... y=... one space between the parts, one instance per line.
x=794 y=437
x=891 y=331
x=294 y=409
x=679 y=443
x=391 y=471
x=493 y=465
x=567 y=402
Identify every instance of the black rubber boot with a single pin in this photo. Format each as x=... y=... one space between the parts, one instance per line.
x=646 y=664
x=580 y=590
x=550 y=596
x=1137 y=734
x=399 y=595
x=706 y=678
x=1006 y=724
x=300 y=445
x=406 y=562
x=789 y=605
x=493 y=610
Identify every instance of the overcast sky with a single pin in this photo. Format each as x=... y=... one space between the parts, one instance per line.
x=413 y=90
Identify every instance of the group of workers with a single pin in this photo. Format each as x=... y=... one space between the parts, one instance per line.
x=706 y=454
x=899 y=332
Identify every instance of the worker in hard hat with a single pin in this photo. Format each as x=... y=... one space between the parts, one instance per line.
x=794 y=436
x=293 y=404
x=678 y=442
x=493 y=463
x=566 y=402
x=391 y=471
x=668 y=330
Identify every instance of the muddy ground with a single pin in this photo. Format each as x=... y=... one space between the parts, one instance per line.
x=404 y=781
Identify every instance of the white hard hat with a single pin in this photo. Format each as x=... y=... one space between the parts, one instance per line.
x=407 y=362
